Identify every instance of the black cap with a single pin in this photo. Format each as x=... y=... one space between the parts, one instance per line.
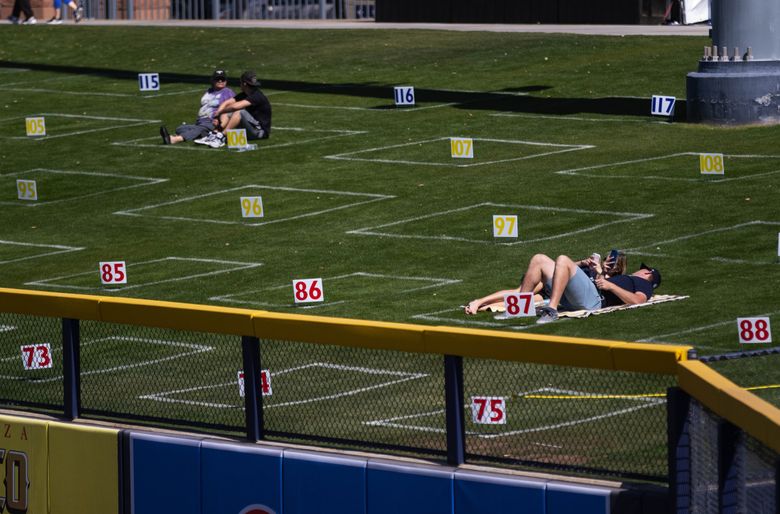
x=250 y=79
x=219 y=74
x=655 y=272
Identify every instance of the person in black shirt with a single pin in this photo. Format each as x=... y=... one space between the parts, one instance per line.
x=250 y=110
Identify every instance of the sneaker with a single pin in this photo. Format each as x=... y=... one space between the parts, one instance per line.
x=166 y=137
x=78 y=14
x=205 y=140
x=14 y=20
x=218 y=141
x=54 y=21
x=548 y=314
x=30 y=21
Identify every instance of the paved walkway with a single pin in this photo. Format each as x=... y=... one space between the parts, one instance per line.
x=602 y=30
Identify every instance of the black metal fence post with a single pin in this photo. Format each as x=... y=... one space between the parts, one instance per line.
x=71 y=367
x=728 y=468
x=456 y=427
x=678 y=404
x=253 y=398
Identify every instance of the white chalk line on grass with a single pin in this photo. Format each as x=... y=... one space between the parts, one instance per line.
x=231 y=267
x=130 y=122
x=701 y=328
x=146 y=181
x=365 y=109
x=393 y=422
x=511 y=114
x=348 y=156
x=371 y=198
x=700 y=179
x=466 y=320
x=58 y=250
x=334 y=134
x=628 y=216
x=195 y=349
x=233 y=297
x=267 y=402
x=704 y=233
x=60 y=92
x=7 y=328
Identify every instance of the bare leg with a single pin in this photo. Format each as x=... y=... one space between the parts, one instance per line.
x=539 y=267
x=176 y=138
x=233 y=122
x=565 y=268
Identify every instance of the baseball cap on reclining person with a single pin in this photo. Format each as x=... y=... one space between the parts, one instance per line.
x=219 y=74
x=655 y=272
x=250 y=78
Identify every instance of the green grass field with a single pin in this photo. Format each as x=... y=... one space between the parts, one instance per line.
x=367 y=197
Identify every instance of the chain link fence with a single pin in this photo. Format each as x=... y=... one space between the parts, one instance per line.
x=229 y=9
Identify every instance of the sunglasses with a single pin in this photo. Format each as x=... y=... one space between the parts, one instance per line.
x=220 y=79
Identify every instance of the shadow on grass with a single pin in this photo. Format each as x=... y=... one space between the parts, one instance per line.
x=515 y=99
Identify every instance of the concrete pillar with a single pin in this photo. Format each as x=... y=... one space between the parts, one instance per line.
x=738 y=80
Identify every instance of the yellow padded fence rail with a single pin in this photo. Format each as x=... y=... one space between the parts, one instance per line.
x=538 y=349
x=731 y=402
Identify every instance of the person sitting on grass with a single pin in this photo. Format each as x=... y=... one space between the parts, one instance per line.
x=250 y=110
x=571 y=289
x=207 y=118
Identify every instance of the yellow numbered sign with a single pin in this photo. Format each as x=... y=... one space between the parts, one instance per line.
x=505 y=225
x=711 y=164
x=36 y=127
x=252 y=207
x=26 y=189
x=461 y=148
x=236 y=138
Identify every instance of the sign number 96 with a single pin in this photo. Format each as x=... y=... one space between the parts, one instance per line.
x=252 y=207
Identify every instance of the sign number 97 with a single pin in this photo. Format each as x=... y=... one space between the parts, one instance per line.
x=504 y=226
x=308 y=290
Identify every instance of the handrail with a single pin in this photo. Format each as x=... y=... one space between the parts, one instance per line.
x=465 y=342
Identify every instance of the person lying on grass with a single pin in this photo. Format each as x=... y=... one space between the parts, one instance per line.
x=571 y=289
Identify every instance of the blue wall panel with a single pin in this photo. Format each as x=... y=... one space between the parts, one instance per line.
x=235 y=476
x=323 y=484
x=407 y=488
x=564 y=499
x=483 y=493
x=165 y=474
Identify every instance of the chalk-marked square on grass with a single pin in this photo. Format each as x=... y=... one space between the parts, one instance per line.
x=183 y=350
x=59 y=176
x=236 y=298
x=751 y=240
x=458 y=317
x=22 y=254
x=684 y=167
x=77 y=129
x=610 y=217
x=407 y=422
x=145 y=142
x=434 y=149
x=270 y=402
x=231 y=201
x=175 y=263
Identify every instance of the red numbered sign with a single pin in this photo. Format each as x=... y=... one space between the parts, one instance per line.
x=113 y=273
x=519 y=305
x=488 y=410
x=265 y=383
x=308 y=290
x=754 y=330
x=36 y=356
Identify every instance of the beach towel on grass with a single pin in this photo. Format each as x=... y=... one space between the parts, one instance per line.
x=660 y=298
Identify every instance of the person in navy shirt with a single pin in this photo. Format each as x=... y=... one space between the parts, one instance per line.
x=572 y=289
